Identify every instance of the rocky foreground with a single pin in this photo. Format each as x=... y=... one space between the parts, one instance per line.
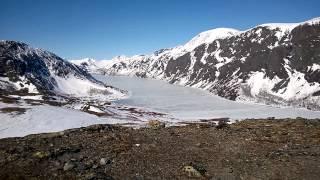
x=250 y=149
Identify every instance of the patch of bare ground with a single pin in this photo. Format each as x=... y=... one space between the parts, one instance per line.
x=250 y=149
x=16 y=110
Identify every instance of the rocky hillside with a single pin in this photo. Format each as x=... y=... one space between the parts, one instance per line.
x=270 y=63
x=27 y=70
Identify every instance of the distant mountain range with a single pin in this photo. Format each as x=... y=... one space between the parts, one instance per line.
x=270 y=63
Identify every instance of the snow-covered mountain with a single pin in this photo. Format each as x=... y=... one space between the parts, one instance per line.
x=91 y=65
x=270 y=63
x=27 y=70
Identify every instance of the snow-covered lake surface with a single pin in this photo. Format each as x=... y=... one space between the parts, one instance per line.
x=179 y=103
x=191 y=104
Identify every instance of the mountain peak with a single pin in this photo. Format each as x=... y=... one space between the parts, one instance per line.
x=209 y=36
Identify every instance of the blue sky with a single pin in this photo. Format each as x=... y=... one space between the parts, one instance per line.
x=105 y=28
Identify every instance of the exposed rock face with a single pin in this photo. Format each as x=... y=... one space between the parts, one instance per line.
x=31 y=70
x=270 y=63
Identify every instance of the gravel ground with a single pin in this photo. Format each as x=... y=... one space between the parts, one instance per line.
x=250 y=149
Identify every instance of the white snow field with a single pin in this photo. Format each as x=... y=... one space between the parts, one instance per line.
x=45 y=118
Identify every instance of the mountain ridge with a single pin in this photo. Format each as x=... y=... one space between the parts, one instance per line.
x=270 y=63
x=33 y=70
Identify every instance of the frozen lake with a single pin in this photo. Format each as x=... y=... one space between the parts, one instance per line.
x=180 y=103
x=190 y=103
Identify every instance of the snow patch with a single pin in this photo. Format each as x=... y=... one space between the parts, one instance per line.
x=314 y=67
x=77 y=87
x=23 y=83
x=209 y=36
x=95 y=109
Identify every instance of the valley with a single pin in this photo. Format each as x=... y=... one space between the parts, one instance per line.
x=226 y=105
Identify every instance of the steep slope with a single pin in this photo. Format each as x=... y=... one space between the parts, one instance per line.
x=270 y=63
x=24 y=69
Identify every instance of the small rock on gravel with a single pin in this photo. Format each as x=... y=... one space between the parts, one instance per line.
x=68 y=166
x=191 y=171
